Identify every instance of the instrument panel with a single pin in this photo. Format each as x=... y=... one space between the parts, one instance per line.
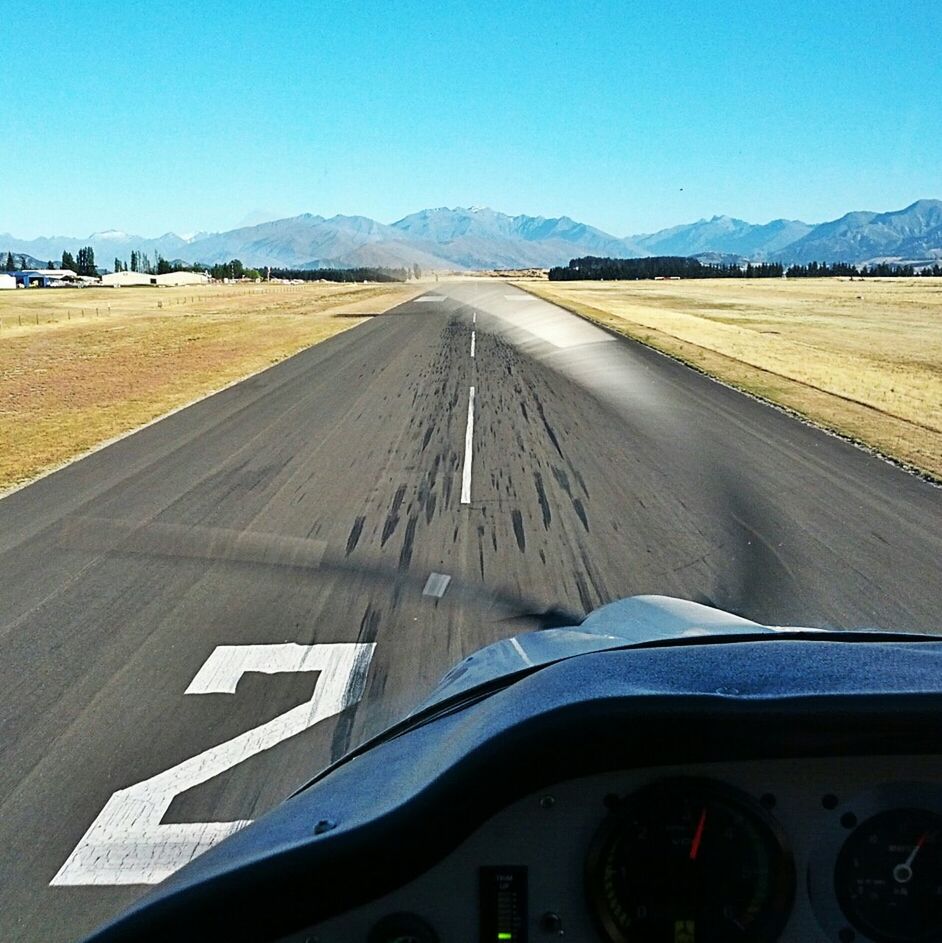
x=835 y=850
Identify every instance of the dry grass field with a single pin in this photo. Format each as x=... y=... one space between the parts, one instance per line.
x=862 y=358
x=78 y=367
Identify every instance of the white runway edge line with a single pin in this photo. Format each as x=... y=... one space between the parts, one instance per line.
x=468 y=445
x=128 y=842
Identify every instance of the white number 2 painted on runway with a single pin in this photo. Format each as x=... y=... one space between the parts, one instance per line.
x=127 y=844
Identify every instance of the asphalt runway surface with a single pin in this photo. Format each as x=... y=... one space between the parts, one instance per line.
x=197 y=618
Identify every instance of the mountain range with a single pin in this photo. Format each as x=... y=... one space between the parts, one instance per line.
x=482 y=238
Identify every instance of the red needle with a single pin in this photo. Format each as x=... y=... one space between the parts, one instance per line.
x=919 y=844
x=908 y=863
x=697 y=836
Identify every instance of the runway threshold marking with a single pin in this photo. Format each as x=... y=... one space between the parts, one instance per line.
x=468 y=457
x=127 y=842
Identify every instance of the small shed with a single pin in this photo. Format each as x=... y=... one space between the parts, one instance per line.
x=7 y=281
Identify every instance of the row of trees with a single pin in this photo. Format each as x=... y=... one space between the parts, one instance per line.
x=661 y=266
x=878 y=270
x=344 y=274
x=234 y=269
x=10 y=264
x=82 y=264
x=140 y=262
x=670 y=266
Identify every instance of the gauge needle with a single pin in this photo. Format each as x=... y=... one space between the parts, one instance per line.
x=697 y=836
x=915 y=851
x=904 y=872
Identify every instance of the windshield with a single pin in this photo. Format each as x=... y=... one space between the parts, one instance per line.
x=338 y=343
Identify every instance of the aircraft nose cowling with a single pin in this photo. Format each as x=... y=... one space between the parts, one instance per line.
x=630 y=621
x=650 y=618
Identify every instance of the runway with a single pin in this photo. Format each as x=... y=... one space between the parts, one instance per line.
x=200 y=616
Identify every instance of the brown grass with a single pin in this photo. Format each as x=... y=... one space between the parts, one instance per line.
x=78 y=367
x=862 y=358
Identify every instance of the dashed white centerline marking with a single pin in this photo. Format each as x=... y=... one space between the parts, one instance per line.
x=468 y=443
x=430 y=298
x=436 y=584
x=472 y=344
x=474 y=317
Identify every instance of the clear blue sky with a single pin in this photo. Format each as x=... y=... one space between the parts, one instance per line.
x=629 y=116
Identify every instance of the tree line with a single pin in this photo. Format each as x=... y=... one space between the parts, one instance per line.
x=674 y=266
x=235 y=269
x=877 y=270
x=141 y=262
x=83 y=263
x=660 y=266
x=11 y=266
x=344 y=274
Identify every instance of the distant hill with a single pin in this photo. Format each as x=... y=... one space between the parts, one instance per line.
x=725 y=235
x=475 y=237
x=107 y=245
x=309 y=241
x=19 y=258
x=911 y=233
x=479 y=237
x=460 y=238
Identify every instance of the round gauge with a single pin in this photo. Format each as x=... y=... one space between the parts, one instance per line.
x=888 y=877
x=688 y=861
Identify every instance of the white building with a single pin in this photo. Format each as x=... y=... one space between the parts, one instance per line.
x=126 y=279
x=182 y=278
x=7 y=281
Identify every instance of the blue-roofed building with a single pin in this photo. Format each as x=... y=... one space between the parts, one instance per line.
x=46 y=277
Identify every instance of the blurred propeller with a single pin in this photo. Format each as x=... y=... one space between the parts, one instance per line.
x=225 y=545
x=753 y=579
